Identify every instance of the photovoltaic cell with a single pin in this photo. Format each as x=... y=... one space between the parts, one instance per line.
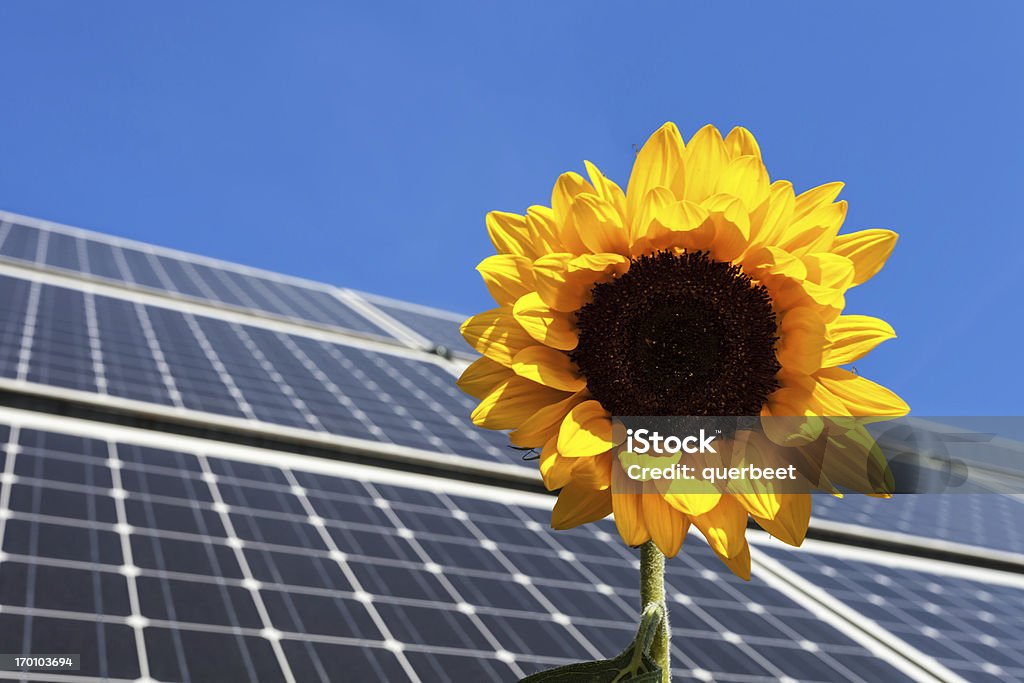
x=61 y=337
x=441 y=329
x=972 y=627
x=138 y=267
x=986 y=520
x=224 y=570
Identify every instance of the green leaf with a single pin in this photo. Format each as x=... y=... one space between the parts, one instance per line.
x=634 y=665
x=604 y=671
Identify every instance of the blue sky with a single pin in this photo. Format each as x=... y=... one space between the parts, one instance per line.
x=362 y=144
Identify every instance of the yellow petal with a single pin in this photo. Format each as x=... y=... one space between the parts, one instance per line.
x=585 y=431
x=578 y=505
x=704 y=159
x=595 y=472
x=816 y=230
x=543 y=323
x=746 y=179
x=740 y=563
x=606 y=189
x=512 y=402
x=599 y=224
x=731 y=223
x=852 y=336
x=509 y=233
x=656 y=165
x=740 y=142
x=564 y=282
x=543 y=230
x=496 y=334
x=567 y=187
x=801 y=340
x=778 y=214
x=555 y=470
x=816 y=197
x=507 y=276
x=549 y=367
x=829 y=270
x=770 y=263
x=543 y=425
x=666 y=525
x=724 y=527
x=862 y=396
x=628 y=510
x=792 y=519
x=868 y=249
x=693 y=504
x=824 y=403
x=677 y=224
x=481 y=376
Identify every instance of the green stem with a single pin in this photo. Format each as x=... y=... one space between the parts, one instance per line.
x=652 y=590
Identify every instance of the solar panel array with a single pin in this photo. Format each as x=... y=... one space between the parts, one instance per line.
x=108 y=346
x=184 y=566
x=975 y=628
x=149 y=268
x=169 y=558
x=438 y=327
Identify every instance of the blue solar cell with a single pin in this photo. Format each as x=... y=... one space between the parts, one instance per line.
x=985 y=520
x=437 y=328
x=61 y=352
x=102 y=262
x=130 y=369
x=183 y=278
x=107 y=649
x=264 y=395
x=14 y=299
x=62 y=252
x=21 y=243
x=970 y=626
x=195 y=377
x=187 y=655
x=141 y=268
x=454 y=580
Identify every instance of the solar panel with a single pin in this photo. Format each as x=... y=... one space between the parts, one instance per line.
x=179 y=274
x=973 y=627
x=186 y=565
x=170 y=558
x=983 y=520
x=440 y=328
x=179 y=359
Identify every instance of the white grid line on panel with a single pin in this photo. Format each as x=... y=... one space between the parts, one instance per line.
x=198 y=307
x=95 y=345
x=5 y=230
x=28 y=331
x=442 y=579
x=871 y=635
x=137 y=619
x=403 y=332
x=243 y=563
x=282 y=385
x=512 y=569
x=335 y=553
x=218 y=366
x=440 y=410
x=123 y=242
x=7 y=481
x=158 y=355
x=336 y=391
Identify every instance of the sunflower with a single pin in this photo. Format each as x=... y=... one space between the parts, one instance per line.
x=704 y=289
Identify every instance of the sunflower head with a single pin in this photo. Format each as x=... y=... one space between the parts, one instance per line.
x=704 y=289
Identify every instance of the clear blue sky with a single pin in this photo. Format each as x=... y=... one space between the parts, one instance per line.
x=362 y=144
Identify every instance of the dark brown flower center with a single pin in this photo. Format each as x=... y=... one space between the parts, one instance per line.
x=679 y=334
